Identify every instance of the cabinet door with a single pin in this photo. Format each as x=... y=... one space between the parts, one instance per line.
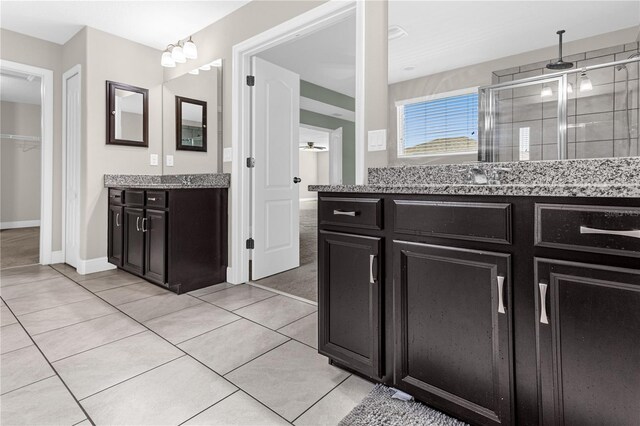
x=452 y=321
x=116 y=234
x=588 y=333
x=349 y=286
x=155 y=230
x=134 y=241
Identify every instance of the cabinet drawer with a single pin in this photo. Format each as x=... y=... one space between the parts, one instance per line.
x=116 y=196
x=352 y=212
x=156 y=199
x=466 y=221
x=134 y=198
x=598 y=229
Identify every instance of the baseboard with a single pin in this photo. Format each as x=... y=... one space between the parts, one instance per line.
x=19 y=224
x=309 y=199
x=90 y=266
x=57 y=257
x=230 y=276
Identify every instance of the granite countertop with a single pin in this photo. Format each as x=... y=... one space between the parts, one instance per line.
x=611 y=177
x=204 y=180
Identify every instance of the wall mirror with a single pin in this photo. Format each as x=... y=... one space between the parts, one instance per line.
x=192 y=121
x=191 y=124
x=127 y=115
x=496 y=92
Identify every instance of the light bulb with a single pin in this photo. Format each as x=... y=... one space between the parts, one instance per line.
x=178 y=55
x=585 y=83
x=206 y=67
x=190 y=49
x=546 y=92
x=195 y=71
x=570 y=88
x=167 y=60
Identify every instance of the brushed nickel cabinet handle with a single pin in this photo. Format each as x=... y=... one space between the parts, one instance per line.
x=634 y=233
x=344 y=213
x=118 y=220
x=543 y=303
x=144 y=222
x=500 y=296
x=372 y=259
x=138 y=223
x=150 y=199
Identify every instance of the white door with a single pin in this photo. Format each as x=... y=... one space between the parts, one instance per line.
x=72 y=179
x=275 y=130
x=335 y=157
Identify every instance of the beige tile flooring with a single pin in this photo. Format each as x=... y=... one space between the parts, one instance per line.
x=108 y=348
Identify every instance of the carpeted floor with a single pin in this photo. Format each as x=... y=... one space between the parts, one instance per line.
x=379 y=409
x=302 y=281
x=19 y=247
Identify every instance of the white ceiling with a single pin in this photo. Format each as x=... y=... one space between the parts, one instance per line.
x=445 y=35
x=14 y=87
x=152 y=23
x=326 y=58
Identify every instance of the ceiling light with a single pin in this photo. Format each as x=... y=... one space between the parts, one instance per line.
x=546 y=92
x=217 y=63
x=206 y=67
x=195 y=71
x=167 y=60
x=396 y=31
x=190 y=49
x=177 y=54
x=585 y=83
x=570 y=88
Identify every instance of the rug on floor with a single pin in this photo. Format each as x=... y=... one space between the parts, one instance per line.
x=378 y=408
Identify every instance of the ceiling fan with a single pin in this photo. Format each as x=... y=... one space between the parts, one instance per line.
x=311 y=146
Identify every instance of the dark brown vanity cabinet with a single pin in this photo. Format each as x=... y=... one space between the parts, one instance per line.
x=174 y=238
x=350 y=294
x=452 y=325
x=588 y=332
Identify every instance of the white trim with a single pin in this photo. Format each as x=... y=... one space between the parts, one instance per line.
x=57 y=257
x=309 y=199
x=76 y=69
x=361 y=134
x=459 y=92
x=90 y=266
x=282 y=293
x=46 y=172
x=19 y=224
x=319 y=17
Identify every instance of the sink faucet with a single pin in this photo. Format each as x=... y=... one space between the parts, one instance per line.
x=477 y=176
x=496 y=174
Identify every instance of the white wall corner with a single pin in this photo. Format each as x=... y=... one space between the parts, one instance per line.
x=90 y=266
x=57 y=257
x=234 y=277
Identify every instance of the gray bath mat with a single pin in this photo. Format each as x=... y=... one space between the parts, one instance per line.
x=378 y=408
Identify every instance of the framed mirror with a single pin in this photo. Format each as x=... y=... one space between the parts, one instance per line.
x=191 y=124
x=127 y=115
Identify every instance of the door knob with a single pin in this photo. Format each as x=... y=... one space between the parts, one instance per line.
x=296 y=179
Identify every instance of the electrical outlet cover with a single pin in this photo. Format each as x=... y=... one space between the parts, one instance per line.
x=153 y=159
x=169 y=160
x=377 y=140
x=227 y=155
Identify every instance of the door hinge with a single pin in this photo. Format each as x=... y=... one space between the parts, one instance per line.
x=251 y=80
x=251 y=244
x=251 y=162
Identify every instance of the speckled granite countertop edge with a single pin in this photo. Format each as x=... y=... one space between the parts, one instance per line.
x=183 y=181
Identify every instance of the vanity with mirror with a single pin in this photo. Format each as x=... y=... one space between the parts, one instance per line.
x=477 y=278
x=171 y=228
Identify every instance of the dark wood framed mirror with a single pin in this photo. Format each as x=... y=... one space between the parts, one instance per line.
x=191 y=124
x=127 y=115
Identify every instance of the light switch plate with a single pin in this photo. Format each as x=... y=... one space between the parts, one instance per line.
x=169 y=160
x=153 y=159
x=377 y=140
x=227 y=155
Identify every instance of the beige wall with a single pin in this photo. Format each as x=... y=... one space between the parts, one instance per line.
x=480 y=75
x=203 y=87
x=32 y=51
x=21 y=164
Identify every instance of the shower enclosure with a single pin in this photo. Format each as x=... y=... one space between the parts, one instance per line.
x=587 y=112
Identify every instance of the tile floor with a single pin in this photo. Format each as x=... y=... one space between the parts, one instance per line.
x=108 y=348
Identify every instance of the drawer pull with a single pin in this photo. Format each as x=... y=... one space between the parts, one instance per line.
x=543 y=303
x=634 y=233
x=150 y=199
x=500 y=297
x=144 y=221
x=372 y=259
x=345 y=213
x=118 y=220
x=138 y=223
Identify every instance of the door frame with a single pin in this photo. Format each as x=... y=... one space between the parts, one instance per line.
x=317 y=18
x=46 y=159
x=76 y=69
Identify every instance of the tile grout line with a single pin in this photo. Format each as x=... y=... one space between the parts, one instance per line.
x=55 y=371
x=323 y=396
x=208 y=331
x=69 y=325
x=28 y=384
x=254 y=358
x=200 y=412
x=282 y=293
x=99 y=346
x=237 y=309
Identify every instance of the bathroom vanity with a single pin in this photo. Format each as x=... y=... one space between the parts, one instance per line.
x=169 y=230
x=516 y=303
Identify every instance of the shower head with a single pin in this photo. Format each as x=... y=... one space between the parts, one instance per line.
x=560 y=64
x=624 y=66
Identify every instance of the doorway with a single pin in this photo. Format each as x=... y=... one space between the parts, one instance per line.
x=26 y=114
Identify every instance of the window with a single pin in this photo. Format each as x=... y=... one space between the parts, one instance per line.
x=445 y=124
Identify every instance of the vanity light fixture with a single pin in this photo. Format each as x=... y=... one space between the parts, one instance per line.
x=167 y=61
x=216 y=63
x=585 y=82
x=546 y=92
x=178 y=54
x=206 y=67
x=195 y=71
x=190 y=49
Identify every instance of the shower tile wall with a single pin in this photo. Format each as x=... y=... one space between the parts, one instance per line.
x=596 y=119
